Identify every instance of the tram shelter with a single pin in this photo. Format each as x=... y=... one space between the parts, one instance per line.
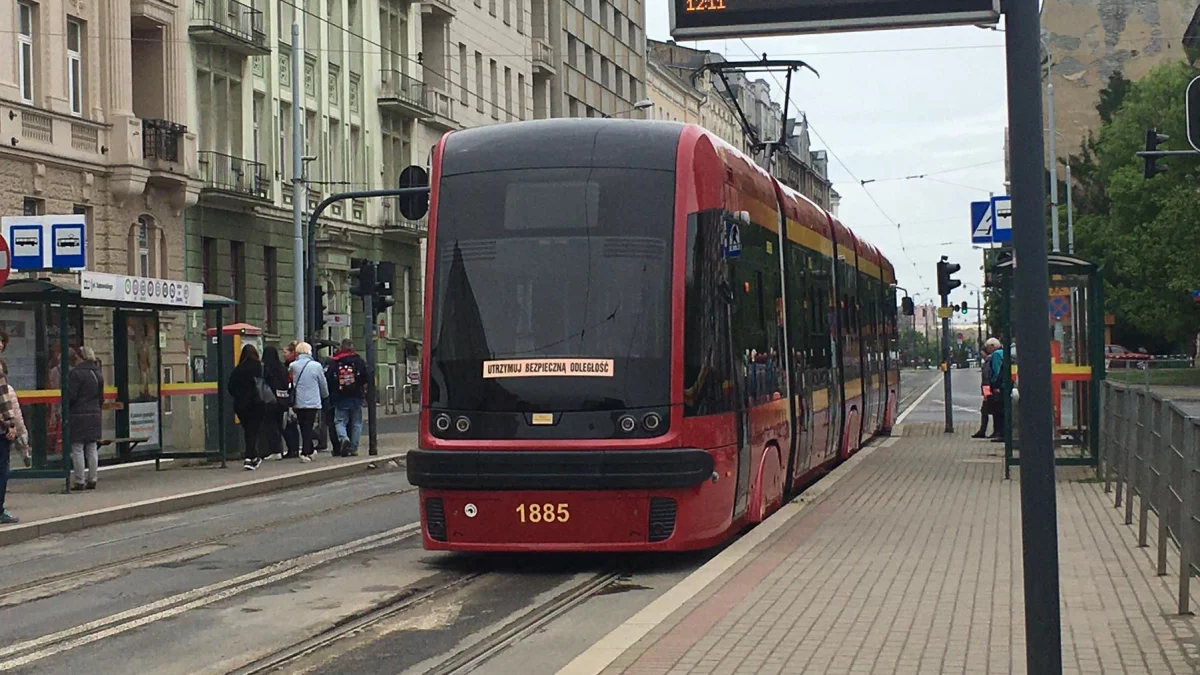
x=119 y=317
x=1076 y=302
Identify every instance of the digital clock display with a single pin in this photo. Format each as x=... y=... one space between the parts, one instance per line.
x=724 y=19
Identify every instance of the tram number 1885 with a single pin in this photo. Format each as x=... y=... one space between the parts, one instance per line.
x=543 y=513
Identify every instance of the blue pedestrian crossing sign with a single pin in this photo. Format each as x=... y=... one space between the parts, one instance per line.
x=981 y=222
x=731 y=244
x=991 y=221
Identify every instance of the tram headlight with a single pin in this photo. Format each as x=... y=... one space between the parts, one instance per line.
x=462 y=424
x=442 y=423
x=627 y=423
x=651 y=421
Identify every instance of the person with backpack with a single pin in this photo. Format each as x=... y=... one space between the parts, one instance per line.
x=250 y=402
x=347 y=376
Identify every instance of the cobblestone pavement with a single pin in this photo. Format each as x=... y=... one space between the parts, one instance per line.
x=911 y=565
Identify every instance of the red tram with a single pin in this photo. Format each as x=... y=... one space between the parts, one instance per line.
x=636 y=339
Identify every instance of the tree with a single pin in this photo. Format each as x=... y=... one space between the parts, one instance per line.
x=1144 y=233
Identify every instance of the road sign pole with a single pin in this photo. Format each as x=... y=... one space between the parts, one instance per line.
x=1031 y=279
x=946 y=365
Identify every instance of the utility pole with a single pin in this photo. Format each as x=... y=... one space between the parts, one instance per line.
x=298 y=275
x=1031 y=282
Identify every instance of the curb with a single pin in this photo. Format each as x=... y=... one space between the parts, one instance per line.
x=153 y=507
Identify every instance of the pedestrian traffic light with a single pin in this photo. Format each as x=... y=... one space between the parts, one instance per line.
x=362 y=277
x=385 y=277
x=945 y=283
x=906 y=306
x=964 y=307
x=1153 y=138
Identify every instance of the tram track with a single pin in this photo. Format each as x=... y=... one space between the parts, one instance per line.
x=56 y=584
x=27 y=652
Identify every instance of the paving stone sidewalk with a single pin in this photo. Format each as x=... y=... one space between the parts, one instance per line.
x=911 y=565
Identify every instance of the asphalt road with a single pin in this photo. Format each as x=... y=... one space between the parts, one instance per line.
x=270 y=581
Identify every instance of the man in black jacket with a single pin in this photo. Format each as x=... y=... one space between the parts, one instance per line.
x=347 y=375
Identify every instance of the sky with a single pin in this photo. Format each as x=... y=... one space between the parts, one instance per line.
x=890 y=104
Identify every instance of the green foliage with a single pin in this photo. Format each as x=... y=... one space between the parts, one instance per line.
x=1145 y=233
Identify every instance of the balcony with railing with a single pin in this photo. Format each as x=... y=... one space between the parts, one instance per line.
x=162 y=141
x=395 y=223
x=230 y=24
x=442 y=106
x=403 y=94
x=543 y=56
x=233 y=176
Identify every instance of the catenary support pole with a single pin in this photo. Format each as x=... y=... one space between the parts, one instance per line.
x=369 y=337
x=298 y=292
x=1039 y=519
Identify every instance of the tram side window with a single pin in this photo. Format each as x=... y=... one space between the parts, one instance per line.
x=799 y=283
x=822 y=313
x=707 y=371
x=756 y=327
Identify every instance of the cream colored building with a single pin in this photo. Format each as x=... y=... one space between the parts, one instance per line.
x=1088 y=42
x=94 y=120
x=674 y=99
x=599 y=49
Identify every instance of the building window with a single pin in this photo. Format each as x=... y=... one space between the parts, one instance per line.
x=237 y=278
x=464 y=87
x=479 y=81
x=208 y=264
x=25 y=21
x=269 y=289
x=75 y=64
x=521 y=16
x=508 y=12
x=520 y=96
x=356 y=154
x=143 y=247
x=495 y=92
x=508 y=97
x=32 y=206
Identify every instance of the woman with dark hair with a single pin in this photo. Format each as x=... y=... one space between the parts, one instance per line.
x=276 y=377
x=248 y=404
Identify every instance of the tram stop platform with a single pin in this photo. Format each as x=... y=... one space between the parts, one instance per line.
x=906 y=560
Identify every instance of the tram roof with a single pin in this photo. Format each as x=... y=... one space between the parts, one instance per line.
x=563 y=142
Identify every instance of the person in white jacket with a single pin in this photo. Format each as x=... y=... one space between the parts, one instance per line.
x=310 y=390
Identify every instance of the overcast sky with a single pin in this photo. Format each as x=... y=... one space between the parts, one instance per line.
x=890 y=104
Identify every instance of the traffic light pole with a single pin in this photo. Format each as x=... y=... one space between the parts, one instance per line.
x=946 y=367
x=369 y=326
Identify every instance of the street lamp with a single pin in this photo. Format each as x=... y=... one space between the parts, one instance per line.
x=640 y=105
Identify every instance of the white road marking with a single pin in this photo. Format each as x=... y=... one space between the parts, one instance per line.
x=601 y=655
x=920 y=399
x=175 y=605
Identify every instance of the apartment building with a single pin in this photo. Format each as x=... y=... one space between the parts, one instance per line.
x=600 y=49
x=94 y=121
x=363 y=101
x=674 y=98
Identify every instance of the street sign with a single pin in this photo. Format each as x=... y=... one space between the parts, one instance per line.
x=723 y=19
x=1060 y=307
x=46 y=242
x=981 y=223
x=945 y=312
x=1192 y=104
x=4 y=267
x=1002 y=219
x=147 y=291
x=336 y=320
x=1196 y=295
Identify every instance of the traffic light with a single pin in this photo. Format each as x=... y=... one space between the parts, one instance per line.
x=945 y=283
x=964 y=307
x=1153 y=138
x=362 y=277
x=385 y=277
x=906 y=306
x=318 y=318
